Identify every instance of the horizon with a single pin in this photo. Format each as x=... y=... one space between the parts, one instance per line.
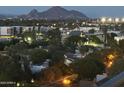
x=90 y=11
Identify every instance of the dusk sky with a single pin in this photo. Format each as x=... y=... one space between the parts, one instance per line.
x=90 y=11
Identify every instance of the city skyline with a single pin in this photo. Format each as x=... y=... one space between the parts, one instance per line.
x=90 y=11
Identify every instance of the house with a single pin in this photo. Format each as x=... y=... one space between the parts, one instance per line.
x=6 y=33
x=86 y=29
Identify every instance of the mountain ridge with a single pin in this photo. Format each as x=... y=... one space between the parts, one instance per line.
x=54 y=13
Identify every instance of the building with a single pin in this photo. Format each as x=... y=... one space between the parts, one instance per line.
x=86 y=29
x=6 y=33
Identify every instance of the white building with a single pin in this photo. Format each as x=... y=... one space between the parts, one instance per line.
x=86 y=29
x=6 y=31
x=118 y=38
x=27 y=28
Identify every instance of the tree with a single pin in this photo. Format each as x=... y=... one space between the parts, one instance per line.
x=15 y=51
x=83 y=49
x=88 y=67
x=4 y=44
x=72 y=42
x=38 y=56
x=54 y=36
x=95 y=39
x=54 y=74
x=121 y=45
x=29 y=37
x=12 y=71
x=91 y=31
x=57 y=57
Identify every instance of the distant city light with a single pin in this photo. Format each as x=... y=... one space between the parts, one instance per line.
x=83 y=23
x=68 y=33
x=18 y=84
x=29 y=38
x=73 y=24
x=81 y=35
x=122 y=19
x=116 y=20
x=32 y=80
x=37 y=24
x=110 y=20
x=54 y=24
x=103 y=20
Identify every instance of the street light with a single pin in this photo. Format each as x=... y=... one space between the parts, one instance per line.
x=28 y=40
x=68 y=33
x=109 y=20
x=66 y=81
x=122 y=20
x=103 y=20
x=110 y=60
x=116 y=20
x=116 y=23
x=18 y=84
x=32 y=80
x=104 y=29
x=111 y=56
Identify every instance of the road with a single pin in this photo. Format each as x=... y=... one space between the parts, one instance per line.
x=115 y=81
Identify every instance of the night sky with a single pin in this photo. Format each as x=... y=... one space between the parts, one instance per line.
x=90 y=11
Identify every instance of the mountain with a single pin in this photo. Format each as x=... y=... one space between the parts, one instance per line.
x=54 y=13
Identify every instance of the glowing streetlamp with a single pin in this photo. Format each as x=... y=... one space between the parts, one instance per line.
x=32 y=80
x=122 y=19
x=81 y=35
x=83 y=23
x=104 y=29
x=109 y=20
x=37 y=24
x=68 y=33
x=73 y=24
x=103 y=20
x=109 y=64
x=54 y=24
x=110 y=60
x=66 y=81
x=110 y=57
x=28 y=40
x=116 y=20
x=18 y=84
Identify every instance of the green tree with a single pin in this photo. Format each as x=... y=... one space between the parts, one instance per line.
x=95 y=39
x=72 y=42
x=91 y=31
x=12 y=71
x=15 y=51
x=54 y=36
x=83 y=49
x=121 y=45
x=57 y=57
x=88 y=67
x=54 y=74
x=29 y=37
x=38 y=56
